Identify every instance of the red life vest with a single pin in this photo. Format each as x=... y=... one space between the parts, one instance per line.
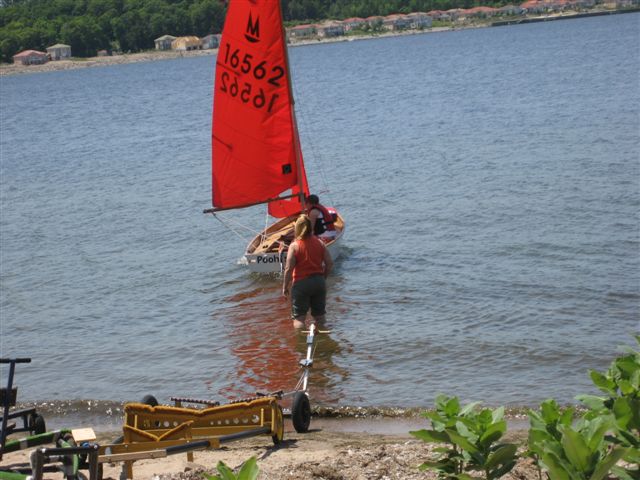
x=325 y=223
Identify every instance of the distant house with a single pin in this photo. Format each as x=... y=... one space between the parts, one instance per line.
x=354 y=23
x=481 y=12
x=59 y=51
x=455 y=13
x=510 y=10
x=210 y=41
x=586 y=3
x=419 y=20
x=534 y=6
x=330 y=29
x=31 y=57
x=439 y=15
x=396 y=22
x=164 y=42
x=375 y=22
x=302 y=31
x=186 y=43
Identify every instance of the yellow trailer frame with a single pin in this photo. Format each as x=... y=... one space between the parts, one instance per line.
x=156 y=431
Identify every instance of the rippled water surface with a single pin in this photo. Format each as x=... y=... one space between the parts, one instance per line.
x=490 y=180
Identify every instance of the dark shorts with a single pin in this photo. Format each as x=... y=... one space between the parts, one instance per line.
x=308 y=293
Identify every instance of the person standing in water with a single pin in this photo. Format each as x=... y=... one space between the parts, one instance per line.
x=308 y=264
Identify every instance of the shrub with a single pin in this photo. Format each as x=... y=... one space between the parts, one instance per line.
x=469 y=435
x=607 y=432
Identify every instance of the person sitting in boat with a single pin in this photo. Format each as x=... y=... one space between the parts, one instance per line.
x=321 y=219
x=308 y=264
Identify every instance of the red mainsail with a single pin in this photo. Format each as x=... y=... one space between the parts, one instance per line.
x=256 y=155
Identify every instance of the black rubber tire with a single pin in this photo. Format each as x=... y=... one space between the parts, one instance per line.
x=149 y=400
x=301 y=412
x=37 y=424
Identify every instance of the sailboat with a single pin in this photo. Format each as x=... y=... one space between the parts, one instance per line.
x=256 y=153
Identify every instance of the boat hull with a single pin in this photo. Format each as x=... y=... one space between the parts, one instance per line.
x=267 y=252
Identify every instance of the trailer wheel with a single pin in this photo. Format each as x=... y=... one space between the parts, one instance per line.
x=37 y=424
x=278 y=426
x=301 y=412
x=149 y=400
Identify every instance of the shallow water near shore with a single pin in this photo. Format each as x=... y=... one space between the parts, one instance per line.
x=490 y=180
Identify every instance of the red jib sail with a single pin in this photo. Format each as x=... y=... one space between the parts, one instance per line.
x=256 y=156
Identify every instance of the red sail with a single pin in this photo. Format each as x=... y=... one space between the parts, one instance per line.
x=254 y=138
x=285 y=208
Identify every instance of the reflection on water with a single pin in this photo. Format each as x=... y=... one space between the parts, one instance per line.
x=268 y=349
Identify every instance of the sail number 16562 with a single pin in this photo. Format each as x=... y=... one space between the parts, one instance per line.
x=236 y=59
x=244 y=90
x=235 y=83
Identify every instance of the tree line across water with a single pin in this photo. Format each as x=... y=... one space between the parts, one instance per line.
x=132 y=25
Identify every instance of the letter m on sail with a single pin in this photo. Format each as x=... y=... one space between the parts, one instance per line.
x=253 y=30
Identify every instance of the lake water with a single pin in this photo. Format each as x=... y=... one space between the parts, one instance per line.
x=490 y=179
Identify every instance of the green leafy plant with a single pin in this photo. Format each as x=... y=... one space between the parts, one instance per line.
x=621 y=405
x=571 y=452
x=248 y=471
x=606 y=433
x=545 y=423
x=469 y=436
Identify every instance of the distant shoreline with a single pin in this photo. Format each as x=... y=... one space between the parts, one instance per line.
x=154 y=55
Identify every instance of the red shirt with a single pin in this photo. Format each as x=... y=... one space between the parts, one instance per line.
x=309 y=258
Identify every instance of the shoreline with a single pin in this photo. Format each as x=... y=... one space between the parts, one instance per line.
x=76 y=63
x=156 y=55
x=343 y=443
x=105 y=416
x=317 y=454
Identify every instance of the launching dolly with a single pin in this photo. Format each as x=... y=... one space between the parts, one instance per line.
x=153 y=431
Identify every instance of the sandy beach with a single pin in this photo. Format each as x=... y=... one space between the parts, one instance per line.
x=322 y=453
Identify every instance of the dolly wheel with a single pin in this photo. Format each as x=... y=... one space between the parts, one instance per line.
x=36 y=424
x=301 y=412
x=149 y=400
x=278 y=424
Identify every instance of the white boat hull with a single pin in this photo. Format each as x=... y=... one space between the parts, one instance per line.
x=274 y=261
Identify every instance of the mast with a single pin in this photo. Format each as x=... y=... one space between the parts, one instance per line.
x=296 y=139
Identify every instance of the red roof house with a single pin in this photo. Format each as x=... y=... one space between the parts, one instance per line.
x=31 y=57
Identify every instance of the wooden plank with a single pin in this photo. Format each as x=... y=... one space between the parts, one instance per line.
x=131 y=456
x=83 y=435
